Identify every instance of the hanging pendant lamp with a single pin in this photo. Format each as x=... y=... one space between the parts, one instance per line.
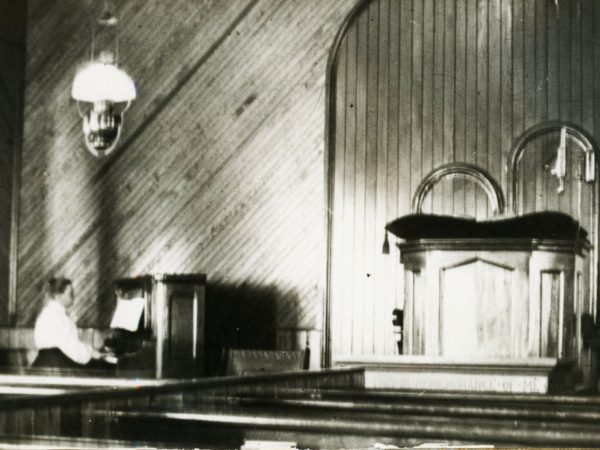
x=103 y=92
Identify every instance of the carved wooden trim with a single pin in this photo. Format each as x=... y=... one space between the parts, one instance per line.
x=574 y=133
x=460 y=170
x=552 y=245
x=585 y=141
x=330 y=111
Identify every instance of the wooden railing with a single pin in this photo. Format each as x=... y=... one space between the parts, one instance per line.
x=315 y=409
x=71 y=412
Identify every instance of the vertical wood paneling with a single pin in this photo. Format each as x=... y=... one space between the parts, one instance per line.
x=518 y=77
x=360 y=199
x=427 y=95
x=540 y=80
x=381 y=302
x=348 y=218
x=455 y=81
x=409 y=172
x=416 y=95
x=551 y=74
x=506 y=67
x=529 y=94
x=449 y=61
x=596 y=63
x=397 y=169
x=338 y=309
x=405 y=169
x=587 y=120
x=483 y=125
x=494 y=108
x=438 y=34
x=576 y=83
x=550 y=292
x=471 y=99
x=372 y=129
x=460 y=104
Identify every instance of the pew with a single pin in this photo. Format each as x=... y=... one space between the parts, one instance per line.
x=329 y=408
x=80 y=411
x=359 y=418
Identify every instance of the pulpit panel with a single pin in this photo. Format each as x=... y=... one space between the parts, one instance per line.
x=475 y=310
x=415 y=314
x=551 y=316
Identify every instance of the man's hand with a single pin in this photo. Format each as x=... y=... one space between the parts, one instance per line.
x=104 y=356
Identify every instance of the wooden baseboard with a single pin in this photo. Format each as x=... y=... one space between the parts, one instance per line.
x=535 y=375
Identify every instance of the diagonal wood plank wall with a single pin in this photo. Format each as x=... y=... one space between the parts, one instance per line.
x=220 y=166
x=421 y=83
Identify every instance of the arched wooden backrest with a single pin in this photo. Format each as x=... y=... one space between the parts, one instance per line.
x=460 y=170
x=573 y=132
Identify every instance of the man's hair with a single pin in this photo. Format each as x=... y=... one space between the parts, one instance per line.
x=57 y=286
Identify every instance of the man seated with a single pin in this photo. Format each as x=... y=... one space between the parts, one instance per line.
x=56 y=336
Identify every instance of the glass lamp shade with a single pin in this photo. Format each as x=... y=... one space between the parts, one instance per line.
x=103 y=93
x=102 y=128
x=98 y=81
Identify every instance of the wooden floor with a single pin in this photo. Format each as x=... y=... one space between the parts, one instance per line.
x=327 y=409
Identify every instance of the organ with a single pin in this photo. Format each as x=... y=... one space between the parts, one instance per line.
x=168 y=339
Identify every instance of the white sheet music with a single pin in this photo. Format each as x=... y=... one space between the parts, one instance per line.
x=128 y=313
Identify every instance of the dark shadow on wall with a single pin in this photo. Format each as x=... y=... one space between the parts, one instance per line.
x=12 y=74
x=238 y=316
x=108 y=258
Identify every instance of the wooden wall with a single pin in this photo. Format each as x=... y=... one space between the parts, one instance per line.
x=420 y=83
x=12 y=81
x=220 y=166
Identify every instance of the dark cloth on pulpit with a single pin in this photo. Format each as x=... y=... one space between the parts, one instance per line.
x=538 y=225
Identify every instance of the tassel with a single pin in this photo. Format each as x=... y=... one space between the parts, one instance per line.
x=307 y=352
x=386 y=245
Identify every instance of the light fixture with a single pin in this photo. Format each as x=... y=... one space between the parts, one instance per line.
x=103 y=92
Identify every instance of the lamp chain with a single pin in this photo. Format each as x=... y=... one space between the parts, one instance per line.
x=93 y=46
